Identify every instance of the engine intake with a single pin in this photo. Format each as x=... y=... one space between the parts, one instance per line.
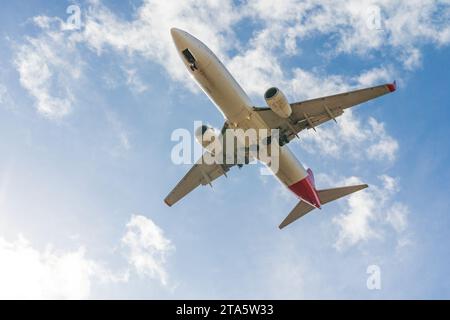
x=206 y=136
x=277 y=101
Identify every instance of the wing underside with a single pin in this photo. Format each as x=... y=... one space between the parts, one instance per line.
x=200 y=174
x=311 y=113
x=203 y=172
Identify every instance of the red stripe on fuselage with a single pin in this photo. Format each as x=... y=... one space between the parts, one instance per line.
x=305 y=190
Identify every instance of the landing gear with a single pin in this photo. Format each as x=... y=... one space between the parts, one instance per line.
x=282 y=140
x=190 y=59
x=193 y=66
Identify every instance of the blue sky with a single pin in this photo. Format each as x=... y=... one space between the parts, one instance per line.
x=86 y=117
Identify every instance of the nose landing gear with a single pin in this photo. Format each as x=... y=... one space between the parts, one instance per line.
x=193 y=66
x=190 y=59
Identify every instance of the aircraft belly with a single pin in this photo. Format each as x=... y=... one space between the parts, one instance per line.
x=224 y=91
x=290 y=170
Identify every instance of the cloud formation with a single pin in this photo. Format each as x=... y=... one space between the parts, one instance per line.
x=48 y=62
x=29 y=273
x=368 y=212
x=49 y=65
x=147 y=248
x=351 y=138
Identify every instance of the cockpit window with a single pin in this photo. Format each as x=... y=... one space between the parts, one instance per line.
x=188 y=56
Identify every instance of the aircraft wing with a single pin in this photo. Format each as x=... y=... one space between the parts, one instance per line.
x=311 y=113
x=201 y=173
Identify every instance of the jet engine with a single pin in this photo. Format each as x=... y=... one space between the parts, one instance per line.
x=277 y=101
x=206 y=136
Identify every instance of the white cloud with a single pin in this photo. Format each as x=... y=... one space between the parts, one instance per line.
x=383 y=146
x=375 y=75
x=122 y=142
x=355 y=225
x=397 y=216
x=135 y=81
x=389 y=183
x=351 y=138
x=148 y=248
x=149 y=33
x=404 y=24
x=47 y=65
x=43 y=61
x=412 y=59
x=28 y=273
x=256 y=71
x=367 y=212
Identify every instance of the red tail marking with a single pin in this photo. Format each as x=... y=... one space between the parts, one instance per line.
x=311 y=177
x=305 y=190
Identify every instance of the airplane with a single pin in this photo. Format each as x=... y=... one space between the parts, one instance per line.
x=289 y=118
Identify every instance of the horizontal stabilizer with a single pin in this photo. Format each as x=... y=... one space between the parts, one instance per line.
x=328 y=195
x=299 y=211
x=325 y=196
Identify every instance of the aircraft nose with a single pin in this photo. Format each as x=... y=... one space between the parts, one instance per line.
x=177 y=34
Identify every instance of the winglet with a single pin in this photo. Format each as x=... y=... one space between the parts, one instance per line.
x=392 y=86
x=166 y=201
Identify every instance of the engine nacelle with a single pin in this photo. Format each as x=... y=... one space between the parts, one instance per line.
x=207 y=138
x=277 y=101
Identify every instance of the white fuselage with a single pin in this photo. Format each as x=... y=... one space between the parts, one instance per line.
x=220 y=86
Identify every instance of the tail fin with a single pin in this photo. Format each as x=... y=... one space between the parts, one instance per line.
x=325 y=196
x=311 y=177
